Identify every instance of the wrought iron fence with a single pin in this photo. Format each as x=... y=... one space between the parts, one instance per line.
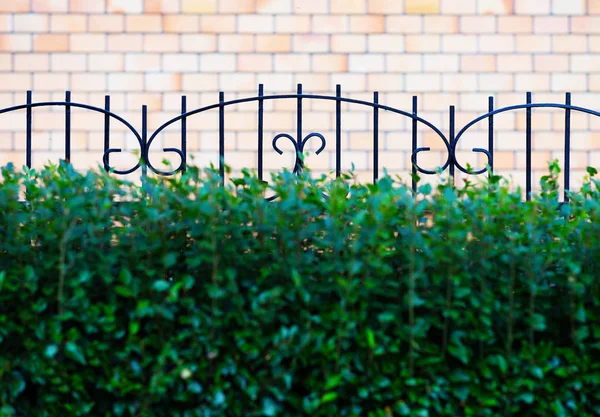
x=450 y=142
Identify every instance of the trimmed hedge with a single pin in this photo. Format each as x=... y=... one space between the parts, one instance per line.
x=194 y=299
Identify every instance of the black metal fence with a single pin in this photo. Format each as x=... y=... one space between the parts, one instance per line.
x=145 y=138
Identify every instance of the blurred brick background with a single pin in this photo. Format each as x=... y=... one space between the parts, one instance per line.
x=447 y=52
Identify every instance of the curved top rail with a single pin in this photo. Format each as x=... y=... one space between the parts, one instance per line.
x=298 y=96
x=78 y=105
x=519 y=107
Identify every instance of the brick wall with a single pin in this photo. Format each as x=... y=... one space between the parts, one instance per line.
x=444 y=51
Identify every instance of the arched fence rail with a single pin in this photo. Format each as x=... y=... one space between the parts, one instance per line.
x=300 y=140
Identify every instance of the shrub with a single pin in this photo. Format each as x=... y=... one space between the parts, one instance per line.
x=197 y=299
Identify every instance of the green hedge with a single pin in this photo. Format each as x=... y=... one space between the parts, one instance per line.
x=194 y=299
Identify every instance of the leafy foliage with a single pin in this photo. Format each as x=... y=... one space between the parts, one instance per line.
x=190 y=298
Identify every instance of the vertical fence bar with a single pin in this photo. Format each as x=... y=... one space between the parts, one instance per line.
x=414 y=139
x=184 y=133
x=299 y=126
x=567 y=146
x=144 y=141
x=375 y=136
x=528 y=150
x=68 y=127
x=452 y=126
x=106 y=131
x=338 y=130
x=491 y=134
x=222 y=136
x=261 y=111
x=29 y=124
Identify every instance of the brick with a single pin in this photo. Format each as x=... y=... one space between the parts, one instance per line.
x=236 y=43
x=310 y=7
x=199 y=82
x=217 y=62
x=163 y=82
x=125 y=42
x=161 y=6
x=550 y=24
x=68 y=62
x=15 y=43
x=329 y=63
x=68 y=23
x=199 y=6
x=31 y=23
x=532 y=82
x=459 y=82
x=254 y=62
x=515 y=24
x=181 y=23
x=550 y=63
x=137 y=62
x=86 y=6
x=310 y=43
x=51 y=43
x=385 y=43
x=583 y=63
x=386 y=6
x=107 y=23
x=495 y=82
x=422 y=6
x=50 y=6
x=569 y=44
x=15 y=82
x=495 y=7
x=594 y=6
x=568 y=7
x=273 y=43
x=569 y=82
x=330 y=24
x=441 y=62
x=125 y=6
x=274 y=6
x=404 y=24
x=106 y=62
x=255 y=24
x=515 y=63
x=423 y=82
x=88 y=82
x=403 y=63
x=478 y=63
x=441 y=24
x=366 y=63
x=346 y=7
x=497 y=43
x=585 y=24
x=217 y=24
x=31 y=62
x=50 y=82
x=367 y=24
x=423 y=43
x=292 y=63
x=6 y=22
x=180 y=62
x=292 y=24
x=125 y=82
x=460 y=43
x=6 y=62
x=236 y=6
x=347 y=43
x=534 y=43
x=161 y=43
x=533 y=7
x=234 y=82
x=198 y=43
x=143 y=23
x=15 y=6
x=459 y=7
x=477 y=24
x=88 y=42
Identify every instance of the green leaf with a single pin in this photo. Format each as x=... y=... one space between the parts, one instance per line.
x=75 y=352
x=592 y=171
x=370 y=338
x=329 y=397
x=161 y=285
x=51 y=351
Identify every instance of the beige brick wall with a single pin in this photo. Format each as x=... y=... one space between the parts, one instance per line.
x=447 y=52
